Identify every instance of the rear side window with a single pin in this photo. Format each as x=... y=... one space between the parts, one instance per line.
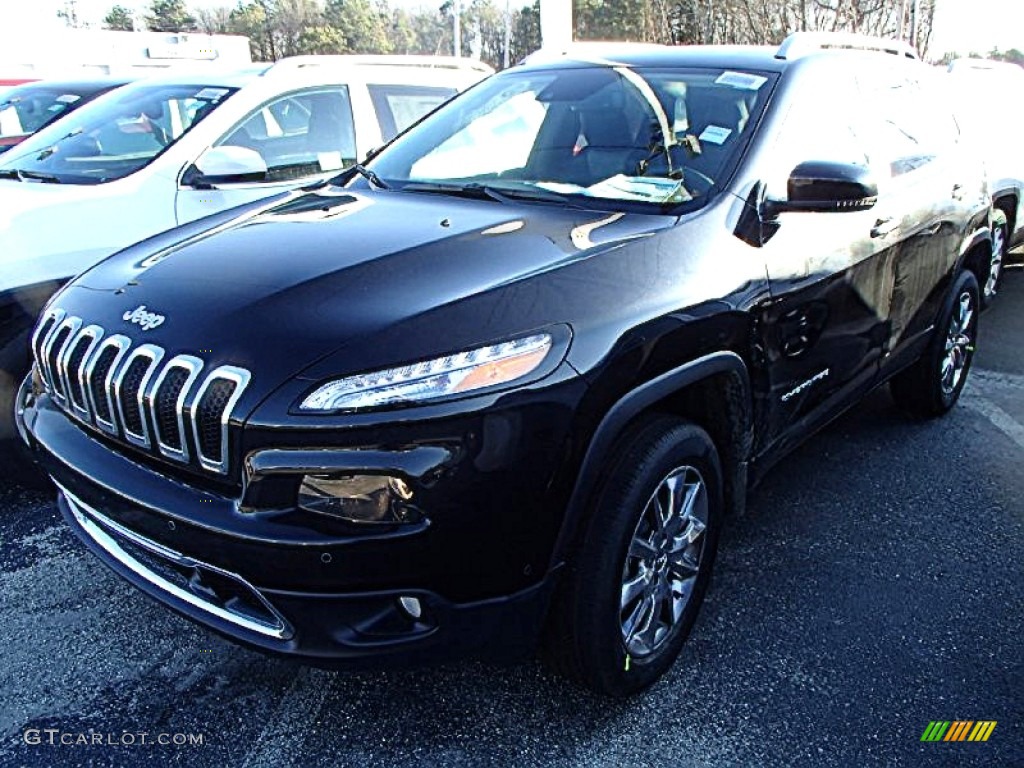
x=904 y=127
x=301 y=134
x=399 y=106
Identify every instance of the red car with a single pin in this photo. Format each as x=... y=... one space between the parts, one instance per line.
x=26 y=108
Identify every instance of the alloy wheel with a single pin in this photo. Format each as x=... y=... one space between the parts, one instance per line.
x=996 y=267
x=959 y=344
x=663 y=561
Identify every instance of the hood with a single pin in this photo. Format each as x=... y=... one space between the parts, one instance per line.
x=45 y=231
x=280 y=288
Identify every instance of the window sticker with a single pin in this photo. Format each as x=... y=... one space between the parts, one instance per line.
x=715 y=134
x=211 y=94
x=68 y=98
x=744 y=80
x=330 y=161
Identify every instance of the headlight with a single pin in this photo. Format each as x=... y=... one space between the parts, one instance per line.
x=444 y=376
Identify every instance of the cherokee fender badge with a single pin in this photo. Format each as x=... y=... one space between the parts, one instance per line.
x=147 y=320
x=820 y=376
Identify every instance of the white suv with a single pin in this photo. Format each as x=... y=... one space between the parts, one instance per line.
x=978 y=86
x=165 y=151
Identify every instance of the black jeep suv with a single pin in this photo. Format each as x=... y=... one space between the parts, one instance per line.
x=497 y=388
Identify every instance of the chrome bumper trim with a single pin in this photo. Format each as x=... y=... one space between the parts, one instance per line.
x=94 y=523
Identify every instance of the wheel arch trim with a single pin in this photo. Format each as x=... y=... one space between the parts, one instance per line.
x=628 y=408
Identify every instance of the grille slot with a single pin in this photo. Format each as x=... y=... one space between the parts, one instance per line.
x=133 y=376
x=77 y=354
x=99 y=378
x=97 y=390
x=170 y=391
x=166 y=402
x=211 y=408
x=132 y=394
x=47 y=324
x=211 y=413
x=54 y=352
x=72 y=364
x=130 y=385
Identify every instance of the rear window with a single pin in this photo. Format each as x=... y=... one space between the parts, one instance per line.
x=399 y=106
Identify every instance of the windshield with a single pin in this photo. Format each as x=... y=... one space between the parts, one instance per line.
x=651 y=136
x=28 y=108
x=113 y=136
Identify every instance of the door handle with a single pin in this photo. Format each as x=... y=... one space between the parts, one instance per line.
x=884 y=227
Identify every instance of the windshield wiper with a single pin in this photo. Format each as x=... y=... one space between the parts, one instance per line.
x=363 y=171
x=478 y=191
x=501 y=194
x=14 y=173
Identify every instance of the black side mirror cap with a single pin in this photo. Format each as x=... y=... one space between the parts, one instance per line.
x=826 y=186
x=193 y=177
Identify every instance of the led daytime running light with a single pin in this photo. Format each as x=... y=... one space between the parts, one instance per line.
x=431 y=379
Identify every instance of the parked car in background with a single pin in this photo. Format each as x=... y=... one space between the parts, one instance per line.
x=6 y=84
x=165 y=151
x=501 y=385
x=977 y=84
x=28 y=108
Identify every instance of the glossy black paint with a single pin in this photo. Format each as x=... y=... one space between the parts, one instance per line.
x=728 y=314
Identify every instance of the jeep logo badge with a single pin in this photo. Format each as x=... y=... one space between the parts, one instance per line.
x=139 y=316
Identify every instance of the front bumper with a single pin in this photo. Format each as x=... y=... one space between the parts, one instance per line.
x=308 y=591
x=329 y=629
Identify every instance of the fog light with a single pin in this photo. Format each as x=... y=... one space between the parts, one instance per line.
x=359 y=498
x=411 y=605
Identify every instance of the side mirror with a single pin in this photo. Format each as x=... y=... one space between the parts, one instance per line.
x=226 y=165
x=825 y=186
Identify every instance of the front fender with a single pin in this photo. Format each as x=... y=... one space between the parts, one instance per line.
x=628 y=408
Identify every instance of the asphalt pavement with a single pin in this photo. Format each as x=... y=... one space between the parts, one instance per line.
x=874 y=585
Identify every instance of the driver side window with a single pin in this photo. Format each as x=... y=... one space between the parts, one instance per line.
x=300 y=134
x=819 y=128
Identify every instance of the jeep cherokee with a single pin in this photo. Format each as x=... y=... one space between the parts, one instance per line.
x=495 y=389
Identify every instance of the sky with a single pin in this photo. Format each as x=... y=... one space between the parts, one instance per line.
x=960 y=25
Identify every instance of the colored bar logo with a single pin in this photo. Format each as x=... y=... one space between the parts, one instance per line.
x=958 y=730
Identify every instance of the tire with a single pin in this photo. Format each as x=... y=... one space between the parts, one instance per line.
x=932 y=385
x=16 y=465
x=628 y=570
x=1000 y=242
x=14 y=365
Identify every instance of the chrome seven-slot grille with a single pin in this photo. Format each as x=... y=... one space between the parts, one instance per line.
x=131 y=393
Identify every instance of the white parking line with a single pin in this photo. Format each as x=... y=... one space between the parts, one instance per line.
x=983 y=383
x=989 y=380
x=282 y=740
x=1000 y=419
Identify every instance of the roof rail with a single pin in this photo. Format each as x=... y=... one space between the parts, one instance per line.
x=369 y=60
x=802 y=43
x=589 y=49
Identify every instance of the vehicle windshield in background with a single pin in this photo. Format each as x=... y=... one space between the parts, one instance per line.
x=646 y=135
x=113 y=136
x=28 y=108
